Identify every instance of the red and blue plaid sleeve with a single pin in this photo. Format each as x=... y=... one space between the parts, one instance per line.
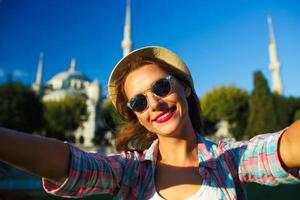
x=89 y=173
x=257 y=160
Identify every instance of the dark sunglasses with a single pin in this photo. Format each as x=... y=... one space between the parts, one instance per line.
x=160 y=88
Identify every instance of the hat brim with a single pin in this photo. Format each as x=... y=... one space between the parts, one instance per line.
x=146 y=52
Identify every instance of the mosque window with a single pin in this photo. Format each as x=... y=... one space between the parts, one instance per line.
x=81 y=139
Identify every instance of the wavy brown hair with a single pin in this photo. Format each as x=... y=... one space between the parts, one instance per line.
x=131 y=135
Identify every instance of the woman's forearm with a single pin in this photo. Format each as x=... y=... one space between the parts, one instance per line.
x=41 y=156
x=289 y=147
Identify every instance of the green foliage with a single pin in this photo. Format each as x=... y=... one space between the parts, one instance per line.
x=284 y=108
x=65 y=116
x=262 y=114
x=297 y=115
x=294 y=107
x=112 y=118
x=226 y=103
x=20 y=108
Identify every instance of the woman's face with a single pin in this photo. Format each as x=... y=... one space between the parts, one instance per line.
x=165 y=116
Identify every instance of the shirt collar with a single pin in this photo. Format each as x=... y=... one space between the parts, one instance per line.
x=205 y=152
x=152 y=152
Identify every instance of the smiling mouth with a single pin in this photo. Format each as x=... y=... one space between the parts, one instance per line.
x=165 y=115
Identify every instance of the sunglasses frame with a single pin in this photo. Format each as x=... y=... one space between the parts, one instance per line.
x=169 y=78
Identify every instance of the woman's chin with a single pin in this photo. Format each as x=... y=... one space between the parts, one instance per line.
x=168 y=130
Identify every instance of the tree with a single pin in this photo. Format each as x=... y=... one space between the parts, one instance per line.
x=64 y=117
x=20 y=108
x=229 y=104
x=294 y=107
x=297 y=115
x=111 y=117
x=262 y=114
x=284 y=110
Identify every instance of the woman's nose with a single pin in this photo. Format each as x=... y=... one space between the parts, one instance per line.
x=154 y=101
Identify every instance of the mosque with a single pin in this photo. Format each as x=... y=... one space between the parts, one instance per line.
x=73 y=82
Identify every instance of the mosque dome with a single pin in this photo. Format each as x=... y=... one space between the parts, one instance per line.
x=67 y=83
x=65 y=75
x=67 y=79
x=70 y=79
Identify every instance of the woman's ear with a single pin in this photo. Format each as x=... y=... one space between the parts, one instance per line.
x=187 y=91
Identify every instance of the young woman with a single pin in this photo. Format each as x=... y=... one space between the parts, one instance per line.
x=162 y=152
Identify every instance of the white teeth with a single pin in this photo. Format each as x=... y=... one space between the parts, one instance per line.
x=163 y=116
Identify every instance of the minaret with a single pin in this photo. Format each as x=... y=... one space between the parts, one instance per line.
x=72 y=65
x=127 y=42
x=37 y=86
x=274 y=65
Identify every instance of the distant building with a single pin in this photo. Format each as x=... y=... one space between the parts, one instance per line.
x=72 y=83
x=277 y=86
x=127 y=42
x=274 y=65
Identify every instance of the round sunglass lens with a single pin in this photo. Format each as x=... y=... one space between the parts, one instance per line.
x=138 y=103
x=161 y=87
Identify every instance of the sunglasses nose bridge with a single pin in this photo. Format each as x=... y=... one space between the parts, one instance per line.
x=153 y=100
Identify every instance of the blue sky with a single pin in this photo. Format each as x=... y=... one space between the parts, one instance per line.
x=222 y=42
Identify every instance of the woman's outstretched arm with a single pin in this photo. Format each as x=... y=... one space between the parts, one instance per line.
x=289 y=146
x=45 y=157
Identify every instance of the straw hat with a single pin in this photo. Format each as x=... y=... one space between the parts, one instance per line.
x=146 y=52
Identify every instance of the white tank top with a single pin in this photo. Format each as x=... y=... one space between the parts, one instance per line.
x=205 y=192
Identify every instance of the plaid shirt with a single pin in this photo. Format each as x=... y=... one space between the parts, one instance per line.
x=226 y=167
